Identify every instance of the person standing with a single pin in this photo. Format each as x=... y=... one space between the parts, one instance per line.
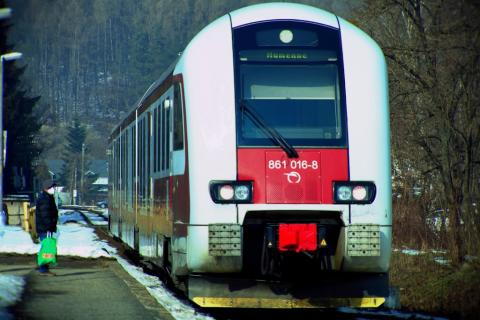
x=46 y=217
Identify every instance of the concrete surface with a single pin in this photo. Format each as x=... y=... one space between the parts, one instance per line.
x=81 y=289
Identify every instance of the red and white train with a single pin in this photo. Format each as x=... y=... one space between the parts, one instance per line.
x=256 y=170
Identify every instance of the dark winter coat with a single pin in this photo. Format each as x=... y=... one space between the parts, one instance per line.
x=46 y=213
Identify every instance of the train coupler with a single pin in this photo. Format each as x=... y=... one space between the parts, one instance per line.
x=301 y=237
x=286 y=243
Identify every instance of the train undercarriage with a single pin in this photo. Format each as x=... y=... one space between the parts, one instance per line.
x=288 y=262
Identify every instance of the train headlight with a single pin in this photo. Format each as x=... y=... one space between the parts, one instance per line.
x=231 y=191
x=344 y=193
x=354 y=192
x=242 y=192
x=359 y=193
x=226 y=192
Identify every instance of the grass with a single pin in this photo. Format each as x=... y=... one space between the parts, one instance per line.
x=428 y=286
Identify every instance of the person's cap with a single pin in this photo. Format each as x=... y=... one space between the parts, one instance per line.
x=47 y=184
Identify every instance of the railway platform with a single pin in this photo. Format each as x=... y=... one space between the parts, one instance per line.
x=80 y=289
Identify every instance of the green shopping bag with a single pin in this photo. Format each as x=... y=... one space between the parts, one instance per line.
x=48 y=251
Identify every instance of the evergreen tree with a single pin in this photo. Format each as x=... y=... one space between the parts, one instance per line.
x=20 y=122
x=72 y=157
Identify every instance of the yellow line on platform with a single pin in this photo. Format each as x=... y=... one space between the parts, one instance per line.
x=215 y=302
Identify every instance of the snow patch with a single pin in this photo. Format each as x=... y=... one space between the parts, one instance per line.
x=390 y=314
x=14 y=240
x=74 y=238
x=412 y=252
x=78 y=240
x=96 y=219
x=11 y=289
x=178 y=308
x=442 y=261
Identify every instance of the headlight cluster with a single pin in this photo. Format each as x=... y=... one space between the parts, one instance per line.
x=231 y=191
x=355 y=192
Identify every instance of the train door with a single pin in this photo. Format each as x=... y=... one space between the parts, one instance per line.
x=161 y=172
x=179 y=193
x=180 y=189
x=166 y=158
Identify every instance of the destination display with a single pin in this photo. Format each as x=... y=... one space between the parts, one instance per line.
x=282 y=55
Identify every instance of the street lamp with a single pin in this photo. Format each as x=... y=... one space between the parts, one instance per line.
x=4 y=57
x=5 y=13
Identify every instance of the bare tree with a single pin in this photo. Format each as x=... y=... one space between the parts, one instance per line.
x=433 y=50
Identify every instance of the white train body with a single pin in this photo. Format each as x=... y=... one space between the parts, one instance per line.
x=200 y=181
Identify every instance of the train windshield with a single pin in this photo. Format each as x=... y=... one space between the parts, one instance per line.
x=296 y=90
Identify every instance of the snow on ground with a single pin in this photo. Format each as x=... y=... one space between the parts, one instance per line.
x=95 y=219
x=178 y=309
x=11 y=289
x=78 y=240
x=412 y=252
x=71 y=216
x=387 y=314
x=14 y=240
x=442 y=261
x=439 y=259
x=104 y=213
x=75 y=238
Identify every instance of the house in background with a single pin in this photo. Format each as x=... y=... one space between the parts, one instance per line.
x=97 y=175
x=55 y=168
x=95 y=180
x=98 y=190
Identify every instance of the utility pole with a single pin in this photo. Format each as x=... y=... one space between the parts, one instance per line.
x=74 y=196
x=82 y=172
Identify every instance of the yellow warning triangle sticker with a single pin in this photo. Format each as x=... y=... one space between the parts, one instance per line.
x=323 y=243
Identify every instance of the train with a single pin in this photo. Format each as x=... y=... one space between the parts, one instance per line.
x=256 y=169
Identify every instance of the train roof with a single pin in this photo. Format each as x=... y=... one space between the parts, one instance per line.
x=156 y=83
x=282 y=11
x=151 y=89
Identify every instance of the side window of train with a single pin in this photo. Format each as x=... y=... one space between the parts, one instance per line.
x=166 y=134
x=158 y=135
x=177 y=118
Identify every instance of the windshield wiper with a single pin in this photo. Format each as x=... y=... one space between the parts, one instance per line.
x=269 y=130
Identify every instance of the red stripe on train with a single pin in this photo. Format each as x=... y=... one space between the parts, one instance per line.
x=302 y=180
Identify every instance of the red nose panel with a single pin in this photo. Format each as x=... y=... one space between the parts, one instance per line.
x=279 y=179
x=297 y=237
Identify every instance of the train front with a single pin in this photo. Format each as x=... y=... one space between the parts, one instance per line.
x=308 y=199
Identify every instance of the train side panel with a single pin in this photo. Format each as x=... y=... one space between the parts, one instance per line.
x=369 y=137
x=207 y=69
